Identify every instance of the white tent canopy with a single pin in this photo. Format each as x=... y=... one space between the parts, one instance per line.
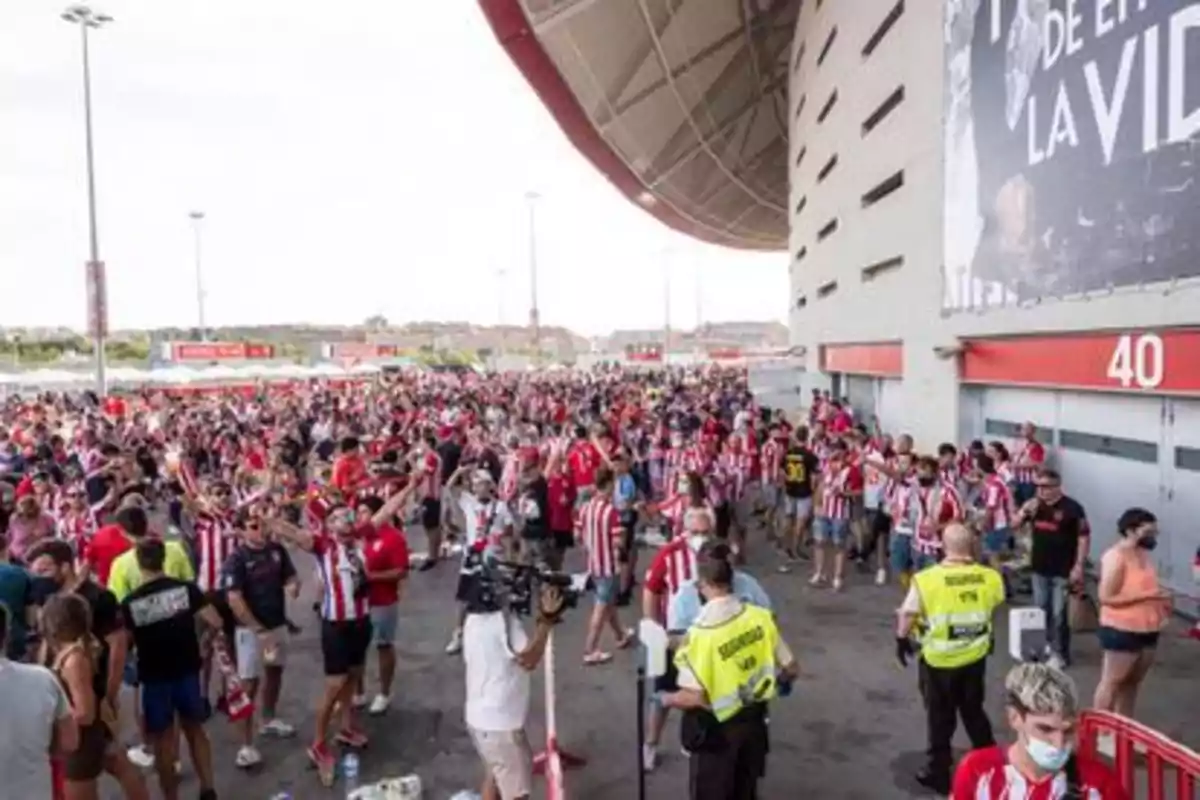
x=180 y=375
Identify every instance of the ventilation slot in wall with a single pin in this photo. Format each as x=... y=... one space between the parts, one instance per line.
x=886 y=107
x=889 y=21
x=873 y=271
x=800 y=156
x=826 y=289
x=800 y=254
x=885 y=188
x=825 y=48
x=829 y=104
x=800 y=105
x=828 y=168
x=800 y=205
x=827 y=231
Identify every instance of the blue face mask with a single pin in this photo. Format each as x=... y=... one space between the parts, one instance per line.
x=1047 y=756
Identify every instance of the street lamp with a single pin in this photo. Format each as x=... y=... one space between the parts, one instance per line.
x=87 y=19
x=531 y=199
x=197 y=217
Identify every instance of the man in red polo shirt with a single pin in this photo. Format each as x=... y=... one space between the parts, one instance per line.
x=349 y=470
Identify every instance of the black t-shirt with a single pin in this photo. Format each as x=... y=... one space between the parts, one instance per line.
x=290 y=452
x=800 y=468
x=451 y=454
x=106 y=620
x=533 y=507
x=98 y=487
x=1056 y=532
x=260 y=573
x=161 y=616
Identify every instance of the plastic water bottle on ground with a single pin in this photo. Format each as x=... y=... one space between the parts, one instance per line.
x=350 y=773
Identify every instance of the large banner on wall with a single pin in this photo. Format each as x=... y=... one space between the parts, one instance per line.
x=1072 y=145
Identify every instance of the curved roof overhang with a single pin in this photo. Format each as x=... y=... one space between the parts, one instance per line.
x=681 y=104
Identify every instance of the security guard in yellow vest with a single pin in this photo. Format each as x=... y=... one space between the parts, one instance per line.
x=955 y=601
x=732 y=662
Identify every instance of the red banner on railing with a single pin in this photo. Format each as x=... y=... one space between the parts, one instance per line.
x=644 y=353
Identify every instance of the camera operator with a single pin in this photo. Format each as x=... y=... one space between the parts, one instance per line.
x=499 y=657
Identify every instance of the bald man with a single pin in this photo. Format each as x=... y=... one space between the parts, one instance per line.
x=955 y=600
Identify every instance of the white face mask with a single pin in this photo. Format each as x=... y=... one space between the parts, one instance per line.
x=696 y=541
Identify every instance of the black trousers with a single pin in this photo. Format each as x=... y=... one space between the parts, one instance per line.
x=732 y=770
x=948 y=694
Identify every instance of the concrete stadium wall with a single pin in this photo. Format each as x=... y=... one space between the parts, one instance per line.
x=849 y=286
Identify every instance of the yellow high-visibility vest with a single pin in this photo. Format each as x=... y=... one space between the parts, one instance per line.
x=733 y=661
x=958 y=601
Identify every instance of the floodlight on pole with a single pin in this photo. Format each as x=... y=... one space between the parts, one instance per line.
x=87 y=19
x=197 y=217
x=531 y=199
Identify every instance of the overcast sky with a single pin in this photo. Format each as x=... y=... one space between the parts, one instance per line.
x=370 y=160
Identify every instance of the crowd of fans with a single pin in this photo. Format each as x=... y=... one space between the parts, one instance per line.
x=151 y=540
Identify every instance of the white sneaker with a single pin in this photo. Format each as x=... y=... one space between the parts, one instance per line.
x=140 y=756
x=881 y=577
x=816 y=580
x=380 y=704
x=649 y=757
x=455 y=646
x=247 y=757
x=359 y=701
x=837 y=584
x=277 y=728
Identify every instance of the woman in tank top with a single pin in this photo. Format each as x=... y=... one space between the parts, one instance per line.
x=1133 y=610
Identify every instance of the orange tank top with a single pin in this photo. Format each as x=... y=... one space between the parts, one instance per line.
x=1140 y=578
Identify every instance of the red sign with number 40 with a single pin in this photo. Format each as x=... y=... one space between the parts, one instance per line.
x=1159 y=362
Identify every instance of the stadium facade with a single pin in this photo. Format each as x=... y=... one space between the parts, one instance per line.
x=990 y=208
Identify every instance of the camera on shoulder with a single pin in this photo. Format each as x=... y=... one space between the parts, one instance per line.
x=489 y=585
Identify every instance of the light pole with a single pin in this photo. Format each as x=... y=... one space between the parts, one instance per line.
x=86 y=19
x=197 y=217
x=666 y=256
x=531 y=199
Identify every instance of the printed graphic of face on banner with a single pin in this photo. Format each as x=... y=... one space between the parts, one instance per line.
x=1072 y=147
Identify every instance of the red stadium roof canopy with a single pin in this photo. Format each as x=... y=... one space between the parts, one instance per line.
x=682 y=104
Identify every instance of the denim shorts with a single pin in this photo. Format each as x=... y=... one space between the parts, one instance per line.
x=383 y=624
x=606 y=589
x=165 y=701
x=900 y=552
x=997 y=540
x=1119 y=641
x=834 y=531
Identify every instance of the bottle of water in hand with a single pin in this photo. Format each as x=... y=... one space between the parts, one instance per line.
x=350 y=773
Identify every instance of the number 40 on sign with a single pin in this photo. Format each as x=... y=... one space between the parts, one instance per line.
x=1137 y=361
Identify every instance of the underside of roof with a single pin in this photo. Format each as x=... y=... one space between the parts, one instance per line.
x=682 y=104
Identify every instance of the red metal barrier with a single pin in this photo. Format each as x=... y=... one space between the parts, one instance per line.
x=1133 y=742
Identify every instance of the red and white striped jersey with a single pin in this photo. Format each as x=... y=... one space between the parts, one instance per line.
x=678 y=461
x=598 y=527
x=738 y=466
x=772 y=461
x=76 y=526
x=950 y=474
x=340 y=565
x=672 y=567
x=719 y=485
x=997 y=503
x=1028 y=458
x=431 y=476
x=214 y=542
x=509 y=478
x=986 y=774
x=921 y=512
x=835 y=505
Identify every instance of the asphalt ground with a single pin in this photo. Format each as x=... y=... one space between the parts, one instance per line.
x=853 y=727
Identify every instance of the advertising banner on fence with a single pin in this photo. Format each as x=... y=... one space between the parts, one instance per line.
x=1072 y=147
x=184 y=352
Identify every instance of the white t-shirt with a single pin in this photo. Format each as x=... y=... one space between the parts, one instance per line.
x=497 y=686
x=32 y=701
x=492 y=515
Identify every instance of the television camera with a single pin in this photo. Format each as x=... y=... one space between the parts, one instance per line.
x=493 y=584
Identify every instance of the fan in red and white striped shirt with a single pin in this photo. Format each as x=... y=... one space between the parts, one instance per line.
x=598 y=526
